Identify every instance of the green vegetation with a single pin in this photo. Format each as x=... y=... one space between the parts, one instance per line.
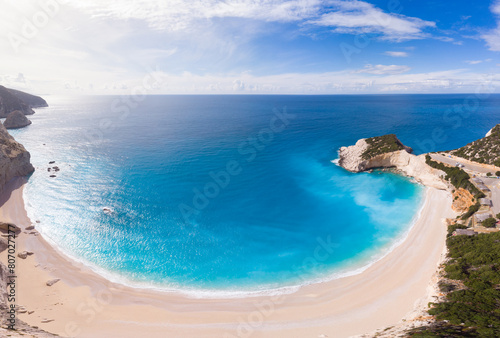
x=381 y=145
x=471 y=310
x=489 y=222
x=485 y=150
x=457 y=176
x=489 y=174
x=472 y=210
x=454 y=227
x=497 y=173
x=498 y=215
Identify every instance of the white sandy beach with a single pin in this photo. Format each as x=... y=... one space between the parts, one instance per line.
x=84 y=304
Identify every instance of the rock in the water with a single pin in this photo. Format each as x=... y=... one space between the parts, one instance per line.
x=107 y=211
x=52 y=282
x=31 y=227
x=52 y=162
x=15 y=120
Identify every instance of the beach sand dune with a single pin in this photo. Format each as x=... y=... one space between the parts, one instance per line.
x=83 y=304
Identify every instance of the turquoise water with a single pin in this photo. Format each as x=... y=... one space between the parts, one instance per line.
x=229 y=193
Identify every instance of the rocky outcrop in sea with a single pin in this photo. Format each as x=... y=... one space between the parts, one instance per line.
x=353 y=158
x=16 y=120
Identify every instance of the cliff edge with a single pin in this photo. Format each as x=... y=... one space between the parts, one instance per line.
x=14 y=158
x=388 y=152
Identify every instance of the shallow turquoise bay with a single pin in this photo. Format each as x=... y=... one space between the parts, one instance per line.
x=218 y=193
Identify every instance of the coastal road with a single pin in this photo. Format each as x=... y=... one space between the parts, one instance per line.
x=477 y=168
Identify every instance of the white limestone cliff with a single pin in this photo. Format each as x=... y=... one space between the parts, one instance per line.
x=351 y=158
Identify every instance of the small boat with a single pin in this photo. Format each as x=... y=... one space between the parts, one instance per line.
x=107 y=210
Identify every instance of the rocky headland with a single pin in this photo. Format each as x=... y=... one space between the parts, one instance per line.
x=32 y=101
x=388 y=152
x=10 y=102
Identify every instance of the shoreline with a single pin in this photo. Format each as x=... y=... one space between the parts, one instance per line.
x=85 y=304
x=377 y=255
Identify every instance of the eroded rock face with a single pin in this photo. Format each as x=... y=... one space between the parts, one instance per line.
x=351 y=158
x=462 y=200
x=14 y=158
x=15 y=120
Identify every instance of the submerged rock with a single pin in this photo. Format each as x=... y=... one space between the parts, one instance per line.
x=16 y=120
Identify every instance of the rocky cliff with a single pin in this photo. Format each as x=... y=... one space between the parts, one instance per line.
x=14 y=159
x=10 y=102
x=357 y=158
x=16 y=119
x=32 y=101
x=462 y=200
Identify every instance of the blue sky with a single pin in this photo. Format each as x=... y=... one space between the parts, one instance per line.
x=250 y=46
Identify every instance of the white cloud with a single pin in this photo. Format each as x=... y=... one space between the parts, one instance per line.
x=383 y=69
x=476 y=62
x=396 y=54
x=344 y=16
x=176 y=15
x=357 y=17
x=492 y=37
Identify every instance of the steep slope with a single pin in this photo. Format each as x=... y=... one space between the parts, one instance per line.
x=31 y=100
x=485 y=150
x=10 y=102
x=14 y=158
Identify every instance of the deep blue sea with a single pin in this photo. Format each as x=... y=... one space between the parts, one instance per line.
x=220 y=194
